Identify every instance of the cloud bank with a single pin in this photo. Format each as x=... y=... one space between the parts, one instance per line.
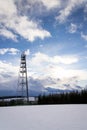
x=44 y=71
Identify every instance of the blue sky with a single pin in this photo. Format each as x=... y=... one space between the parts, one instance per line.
x=53 y=35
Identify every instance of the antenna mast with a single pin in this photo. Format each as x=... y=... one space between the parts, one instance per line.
x=23 y=81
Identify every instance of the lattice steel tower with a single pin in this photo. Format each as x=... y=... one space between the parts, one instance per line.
x=23 y=81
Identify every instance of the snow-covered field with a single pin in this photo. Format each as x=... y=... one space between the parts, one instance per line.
x=46 y=117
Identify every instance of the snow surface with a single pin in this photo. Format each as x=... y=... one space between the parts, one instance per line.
x=45 y=117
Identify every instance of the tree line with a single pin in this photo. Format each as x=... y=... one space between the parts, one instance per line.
x=74 y=97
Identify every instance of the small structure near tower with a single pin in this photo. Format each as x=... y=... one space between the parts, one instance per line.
x=23 y=81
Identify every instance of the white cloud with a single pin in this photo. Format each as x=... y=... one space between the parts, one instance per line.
x=62 y=84
x=46 y=3
x=84 y=36
x=59 y=75
x=28 y=29
x=51 y=4
x=21 y=25
x=7 y=71
x=46 y=69
x=72 y=28
x=43 y=58
x=12 y=51
x=40 y=58
x=64 y=59
x=55 y=71
x=7 y=8
x=64 y=7
x=16 y=17
x=44 y=65
x=67 y=8
x=3 y=51
x=8 y=34
x=27 y=52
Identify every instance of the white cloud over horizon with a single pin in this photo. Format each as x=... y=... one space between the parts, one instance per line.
x=44 y=66
x=46 y=71
x=41 y=63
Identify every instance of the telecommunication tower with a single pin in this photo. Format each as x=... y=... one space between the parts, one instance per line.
x=23 y=81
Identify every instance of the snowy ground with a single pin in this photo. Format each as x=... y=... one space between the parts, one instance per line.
x=49 y=117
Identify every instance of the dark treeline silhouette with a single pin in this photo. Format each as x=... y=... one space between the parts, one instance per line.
x=74 y=97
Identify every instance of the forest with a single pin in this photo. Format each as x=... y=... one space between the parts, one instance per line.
x=74 y=97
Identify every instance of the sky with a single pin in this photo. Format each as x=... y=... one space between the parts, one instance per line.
x=53 y=35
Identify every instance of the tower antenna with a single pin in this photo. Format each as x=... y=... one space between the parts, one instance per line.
x=23 y=81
